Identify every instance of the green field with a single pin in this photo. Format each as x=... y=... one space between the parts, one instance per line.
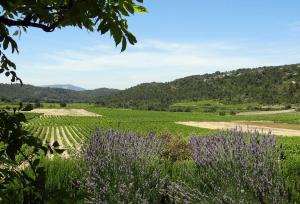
x=75 y=130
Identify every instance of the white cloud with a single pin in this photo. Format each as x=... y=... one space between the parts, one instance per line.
x=151 y=60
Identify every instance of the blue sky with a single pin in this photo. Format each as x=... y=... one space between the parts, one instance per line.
x=175 y=39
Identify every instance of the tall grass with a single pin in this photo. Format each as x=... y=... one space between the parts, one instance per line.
x=62 y=181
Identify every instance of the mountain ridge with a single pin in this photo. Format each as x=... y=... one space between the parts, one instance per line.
x=31 y=93
x=66 y=86
x=268 y=85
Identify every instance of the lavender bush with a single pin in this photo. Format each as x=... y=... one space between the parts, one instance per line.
x=123 y=168
x=237 y=167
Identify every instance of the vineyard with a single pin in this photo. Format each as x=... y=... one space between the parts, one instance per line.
x=70 y=132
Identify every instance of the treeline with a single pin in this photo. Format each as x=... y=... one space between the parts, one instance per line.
x=265 y=85
x=29 y=93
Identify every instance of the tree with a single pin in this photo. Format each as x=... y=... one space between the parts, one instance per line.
x=63 y=104
x=20 y=149
x=94 y=15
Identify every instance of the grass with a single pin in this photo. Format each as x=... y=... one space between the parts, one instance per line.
x=61 y=186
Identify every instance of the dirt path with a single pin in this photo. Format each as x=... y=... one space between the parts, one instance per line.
x=277 y=129
x=64 y=112
x=267 y=112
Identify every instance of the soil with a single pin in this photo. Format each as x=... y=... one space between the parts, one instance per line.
x=64 y=112
x=267 y=112
x=277 y=129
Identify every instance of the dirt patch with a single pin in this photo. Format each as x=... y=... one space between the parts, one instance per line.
x=64 y=112
x=267 y=112
x=277 y=129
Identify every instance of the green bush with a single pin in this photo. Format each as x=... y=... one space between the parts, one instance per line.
x=288 y=106
x=175 y=148
x=63 y=104
x=232 y=113
x=28 y=107
x=222 y=113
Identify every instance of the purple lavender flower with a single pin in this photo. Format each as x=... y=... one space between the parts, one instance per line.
x=122 y=167
x=236 y=167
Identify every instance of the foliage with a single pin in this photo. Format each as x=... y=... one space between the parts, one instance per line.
x=266 y=85
x=175 y=149
x=222 y=113
x=122 y=168
x=28 y=107
x=22 y=178
x=13 y=138
x=63 y=104
x=232 y=113
x=100 y=16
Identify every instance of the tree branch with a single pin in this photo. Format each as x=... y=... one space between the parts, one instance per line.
x=26 y=23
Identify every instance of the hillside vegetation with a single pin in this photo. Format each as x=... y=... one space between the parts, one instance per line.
x=265 y=85
x=31 y=93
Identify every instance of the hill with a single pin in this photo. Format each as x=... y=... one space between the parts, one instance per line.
x=266 y=85
x=31 y=93
x=66 y=86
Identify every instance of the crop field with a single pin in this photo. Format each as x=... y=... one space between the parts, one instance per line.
x=71 y=131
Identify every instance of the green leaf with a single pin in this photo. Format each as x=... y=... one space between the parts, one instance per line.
x=16 y=33
x=124 y=44
x=5 y=43
x=139 y=9
x=129 y=7
x=14 y=46
x=36 y=162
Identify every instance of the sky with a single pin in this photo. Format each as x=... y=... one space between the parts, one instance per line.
x=175 y=39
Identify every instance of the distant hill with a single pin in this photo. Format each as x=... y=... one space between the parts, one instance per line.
x=65 y=86
x=268 y=85
x=31 y=93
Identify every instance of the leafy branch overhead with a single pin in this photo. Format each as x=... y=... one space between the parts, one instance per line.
x=16 y=16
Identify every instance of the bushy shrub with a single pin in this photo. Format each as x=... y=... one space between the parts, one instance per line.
x=175 y=149
x=123 y=167
x=232 y=112
x=233 y=167
x=62 y=104
x=222 y=113
x=28 y=107
x=288 y=106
